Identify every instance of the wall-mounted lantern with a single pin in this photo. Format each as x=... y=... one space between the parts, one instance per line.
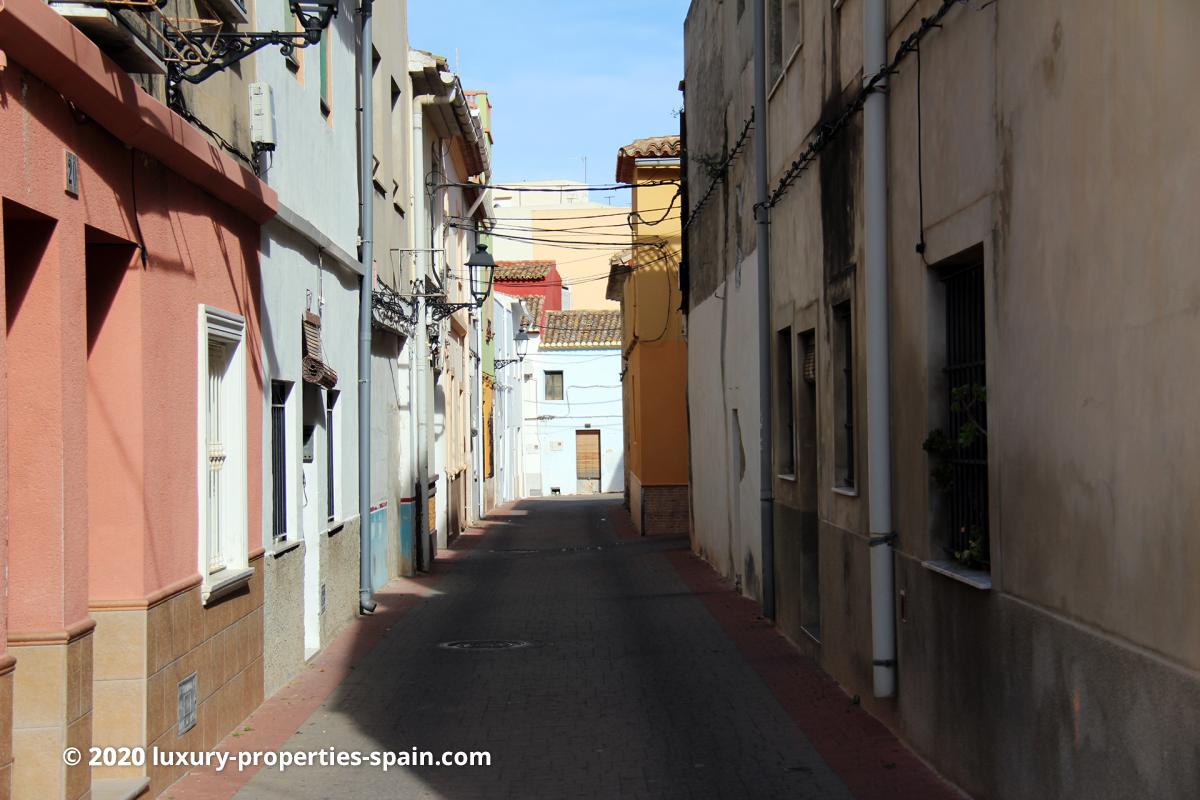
x=522 y=342
x=482 y=268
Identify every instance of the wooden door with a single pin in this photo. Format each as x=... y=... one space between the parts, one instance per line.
x=587 y=461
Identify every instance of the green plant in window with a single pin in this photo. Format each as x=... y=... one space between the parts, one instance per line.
x=966 y=400
x=974 y=555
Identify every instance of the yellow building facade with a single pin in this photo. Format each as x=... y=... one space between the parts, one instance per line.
x=645 y=281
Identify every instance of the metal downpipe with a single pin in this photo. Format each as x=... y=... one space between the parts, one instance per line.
x=762 y=248
x=366 y=227
x=879 y=439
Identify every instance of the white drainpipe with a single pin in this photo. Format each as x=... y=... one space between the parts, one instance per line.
x=879 y=440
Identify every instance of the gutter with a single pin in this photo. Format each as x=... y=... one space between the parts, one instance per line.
x=365 y=286
x=763 y=251
x=879 y=434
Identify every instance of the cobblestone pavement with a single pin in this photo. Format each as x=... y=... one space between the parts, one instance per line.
x=629 y=688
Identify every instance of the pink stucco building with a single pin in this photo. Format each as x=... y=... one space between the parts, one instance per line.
x=130 y=496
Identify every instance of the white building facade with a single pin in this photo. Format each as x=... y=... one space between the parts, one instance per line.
x=573 y=427
x=309 y=349
x=510 y=348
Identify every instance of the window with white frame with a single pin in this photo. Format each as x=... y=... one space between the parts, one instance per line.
x=222 y=447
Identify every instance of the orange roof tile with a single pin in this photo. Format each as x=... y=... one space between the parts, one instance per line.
x=510 y=271
x=650 y=147
x=581 y=329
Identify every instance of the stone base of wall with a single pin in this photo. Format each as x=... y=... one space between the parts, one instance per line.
x=659 y=510
x=51 y=710
x=664 y=510
x=283 y=618
x=340 y=574
x=142 y=654
x=7 y=663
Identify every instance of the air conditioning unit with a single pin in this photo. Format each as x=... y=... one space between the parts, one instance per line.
x=262 y=116
x=117 y=41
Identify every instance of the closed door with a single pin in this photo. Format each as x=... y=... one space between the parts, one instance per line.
x=587 y=462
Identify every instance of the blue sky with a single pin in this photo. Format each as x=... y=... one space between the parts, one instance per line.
x=567 y=79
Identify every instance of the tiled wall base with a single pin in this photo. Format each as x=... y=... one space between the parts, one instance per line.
x=659 y=510
x=6 y=691
x=51 y=711
x=142 y=654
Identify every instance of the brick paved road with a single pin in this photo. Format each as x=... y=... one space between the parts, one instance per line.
x=630 y=689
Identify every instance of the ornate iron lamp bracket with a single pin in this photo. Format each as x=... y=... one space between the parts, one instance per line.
x=227 y=47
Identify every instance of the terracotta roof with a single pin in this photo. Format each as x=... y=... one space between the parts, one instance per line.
x=510 y=271
x=650 y=147
x=581 y=329
x=532 y=319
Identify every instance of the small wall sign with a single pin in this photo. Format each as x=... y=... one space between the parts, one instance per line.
x=72 y=174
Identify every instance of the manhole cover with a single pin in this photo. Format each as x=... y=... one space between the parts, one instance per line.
x=484 y=644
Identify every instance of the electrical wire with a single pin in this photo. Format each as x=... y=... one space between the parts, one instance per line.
x=137 y=223
x=722 y=170
x=542 y=229
x=829 y=131
x=920 y=247
x=569 y=244
x=559 y=189
x=641 y=221
x=587 y=216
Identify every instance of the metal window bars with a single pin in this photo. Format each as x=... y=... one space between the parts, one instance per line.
x=966 y=366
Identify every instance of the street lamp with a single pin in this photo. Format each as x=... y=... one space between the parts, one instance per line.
x=522 y=341
x=483 y=269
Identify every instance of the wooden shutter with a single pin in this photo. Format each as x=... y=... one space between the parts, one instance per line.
x=587 y=455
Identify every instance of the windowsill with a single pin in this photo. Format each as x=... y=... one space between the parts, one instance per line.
x=787 y=476
x=286 y=546
x=846 y=491
x=976 y=578
x=334 y=528
x=225 y=582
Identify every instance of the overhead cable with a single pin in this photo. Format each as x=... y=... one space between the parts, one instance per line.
x=830 y=130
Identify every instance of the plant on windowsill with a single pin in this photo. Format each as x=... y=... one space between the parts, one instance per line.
x=943 y=448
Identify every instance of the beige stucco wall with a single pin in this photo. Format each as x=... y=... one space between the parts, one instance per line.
x=557 y=226
x=1071 y=173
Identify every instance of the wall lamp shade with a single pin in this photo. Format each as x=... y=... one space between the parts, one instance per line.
x=482 y=268
x=522 y=342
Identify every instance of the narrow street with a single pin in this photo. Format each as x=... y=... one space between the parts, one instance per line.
x=629 y=686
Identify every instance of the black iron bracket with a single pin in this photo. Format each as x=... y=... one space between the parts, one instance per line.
x=439 y=310
x=230 y=47
x=504 y=362
x=393 y=311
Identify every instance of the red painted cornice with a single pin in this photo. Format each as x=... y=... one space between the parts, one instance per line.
x=36 y=37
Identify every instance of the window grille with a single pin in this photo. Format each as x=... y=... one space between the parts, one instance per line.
x=330 y=468
x=785 y=401
x=279 y=393
x=966 y=367
x=218 y=355
x=844 y=376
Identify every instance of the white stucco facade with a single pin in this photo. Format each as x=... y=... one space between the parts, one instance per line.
x=723 y=419
x=309 y=266
x=591 y=381
x=507 y=408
